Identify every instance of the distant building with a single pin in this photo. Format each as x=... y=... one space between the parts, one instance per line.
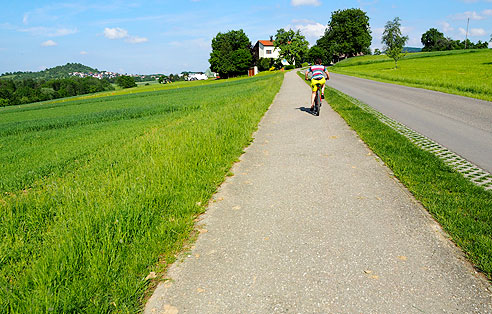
x=267 y=49
x=197 y=76
x=210 y=74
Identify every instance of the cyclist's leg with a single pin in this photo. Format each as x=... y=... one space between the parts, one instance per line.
x=323 y=81
x=313 y=94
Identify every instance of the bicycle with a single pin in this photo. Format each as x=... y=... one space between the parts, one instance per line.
x=317 y=100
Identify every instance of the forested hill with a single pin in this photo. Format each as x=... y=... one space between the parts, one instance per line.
x=61 y=71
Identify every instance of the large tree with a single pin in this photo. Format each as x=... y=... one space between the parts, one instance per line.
x=292 y=45
x=348 y=33
x=393 y=40
x=434 y=40
x=231 y=53
x=316 y=52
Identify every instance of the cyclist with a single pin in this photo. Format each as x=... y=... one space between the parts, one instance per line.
x=317 y=78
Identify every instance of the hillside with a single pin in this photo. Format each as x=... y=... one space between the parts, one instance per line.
x=61 y=71
x=411 y=49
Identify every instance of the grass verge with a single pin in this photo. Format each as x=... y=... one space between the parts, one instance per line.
x=81 y=233
x=463 y=209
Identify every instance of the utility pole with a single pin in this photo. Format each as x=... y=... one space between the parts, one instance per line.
x=466 y=37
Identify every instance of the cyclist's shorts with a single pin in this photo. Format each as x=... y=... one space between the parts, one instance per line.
x=315 y=82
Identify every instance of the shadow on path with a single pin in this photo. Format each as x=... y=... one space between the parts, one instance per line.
x=305 y=109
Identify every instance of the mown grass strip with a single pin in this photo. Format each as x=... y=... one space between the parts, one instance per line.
x=465 y=73
x=463 y=209
x=83 y=239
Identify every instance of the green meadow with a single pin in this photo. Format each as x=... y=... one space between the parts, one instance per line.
x=98 y=192
x=462 y=72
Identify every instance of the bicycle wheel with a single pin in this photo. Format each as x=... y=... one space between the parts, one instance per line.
x=317 y=102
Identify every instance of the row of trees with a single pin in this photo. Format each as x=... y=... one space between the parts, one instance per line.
x=434 y=40
x=347 y=34
x=17 y=92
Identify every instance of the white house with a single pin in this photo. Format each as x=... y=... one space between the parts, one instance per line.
x=197 y=76
x=266 y=49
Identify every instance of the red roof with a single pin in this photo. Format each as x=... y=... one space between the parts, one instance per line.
x=266 y=42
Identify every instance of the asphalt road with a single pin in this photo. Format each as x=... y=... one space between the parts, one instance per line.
x=313 y=222
x=461 y=124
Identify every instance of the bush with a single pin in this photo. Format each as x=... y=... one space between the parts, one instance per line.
x=290 y=67
x=278 y=64
x=304 y=64
x=264 y=64
x=125 y=81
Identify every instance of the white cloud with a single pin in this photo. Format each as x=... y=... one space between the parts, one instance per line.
x=115 y=33
x=487 y=12
x=413 y=41
x=468 y=14
x=120 y=33
x=305 y=2
x=303 y=21
x=406 y=29
x=311 y=30
x=136 y=40
x=83 y=53
x=378 y=31
x=446 y=27
x=477 y=32
x=474 y=32
x=48 y=43
x=48 y=31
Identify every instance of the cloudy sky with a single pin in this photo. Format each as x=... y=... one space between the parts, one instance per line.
x=160 y=36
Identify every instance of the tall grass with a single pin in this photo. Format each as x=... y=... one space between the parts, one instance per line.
x=121 y=196
x=466 y=73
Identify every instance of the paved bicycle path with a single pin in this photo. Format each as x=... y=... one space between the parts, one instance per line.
x=313 y=222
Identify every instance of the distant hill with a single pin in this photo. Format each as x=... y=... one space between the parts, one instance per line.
x=410 y=49
x=57 y=72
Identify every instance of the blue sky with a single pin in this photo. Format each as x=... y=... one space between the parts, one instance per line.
x=152 y=36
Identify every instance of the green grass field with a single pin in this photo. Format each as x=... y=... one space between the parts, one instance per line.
x=98 y=192
x=463 y=72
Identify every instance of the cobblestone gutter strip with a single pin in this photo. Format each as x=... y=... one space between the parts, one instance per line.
x=470 y=171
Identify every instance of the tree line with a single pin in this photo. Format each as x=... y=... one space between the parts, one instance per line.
x=347 y=34
x=434 y=40
x=17 y=92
